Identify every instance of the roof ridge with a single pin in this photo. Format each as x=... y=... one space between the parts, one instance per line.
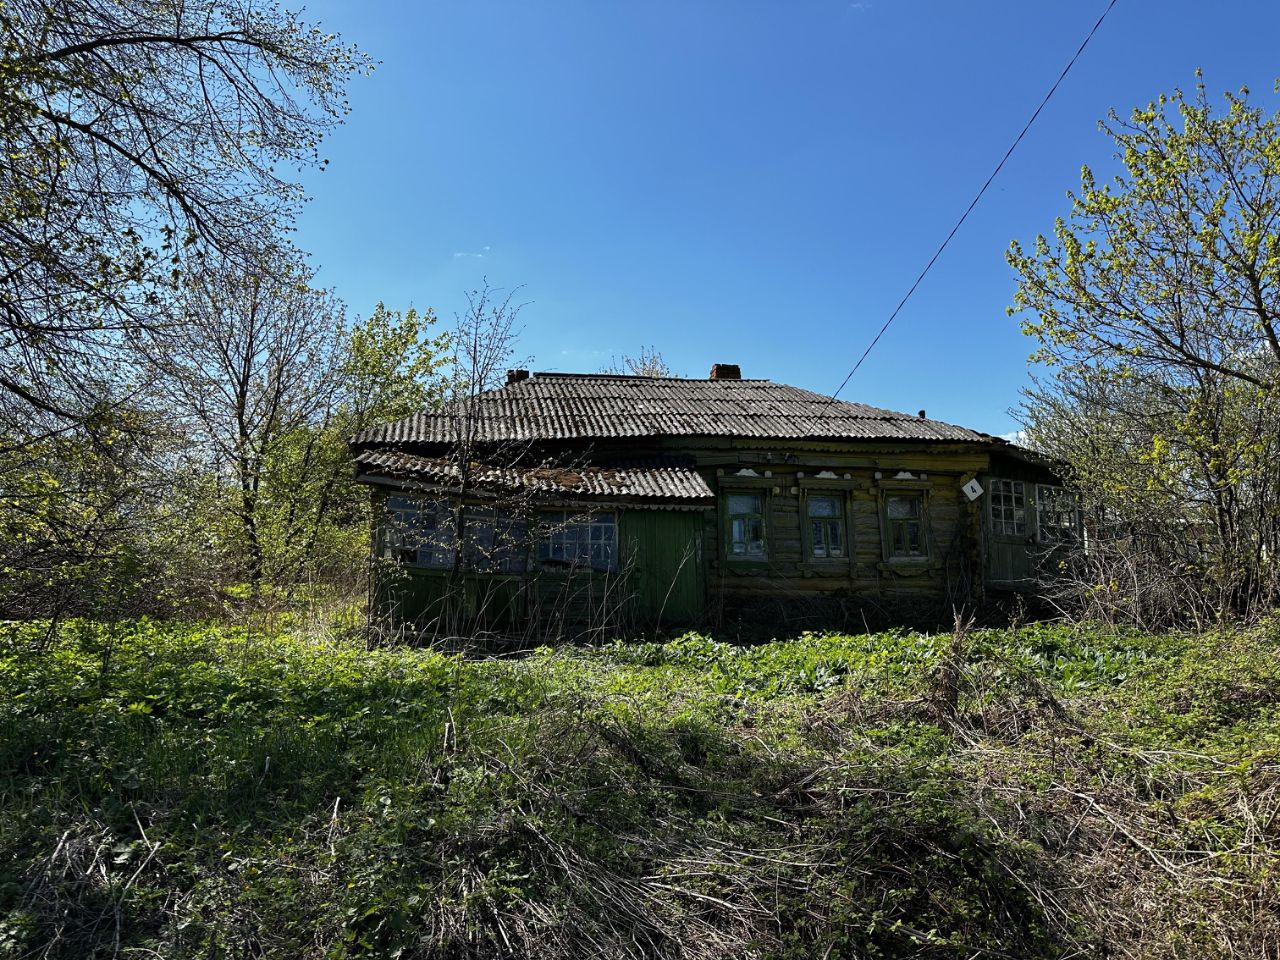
x=562 y=375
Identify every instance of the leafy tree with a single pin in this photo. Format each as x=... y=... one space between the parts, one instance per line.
x=70 y=522
x=140 y=142
x=1156 y=305
x=268 y=384
x=393 y=366
x=253 y=362
x=389 y=365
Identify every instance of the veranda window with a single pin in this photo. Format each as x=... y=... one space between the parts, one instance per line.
x=1008 y=508
x=494 y=541
x=1057 y=514
x=420 y=533
x=579 y=540
x=417 y=533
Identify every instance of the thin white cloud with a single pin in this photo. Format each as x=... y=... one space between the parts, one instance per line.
x=472 y=255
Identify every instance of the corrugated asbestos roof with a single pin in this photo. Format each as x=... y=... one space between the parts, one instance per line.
x=550 y=406
x=652 y=480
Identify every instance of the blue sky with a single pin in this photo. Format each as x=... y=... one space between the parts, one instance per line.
x=743 y=181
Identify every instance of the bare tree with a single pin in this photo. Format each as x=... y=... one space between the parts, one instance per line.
x=647 y=363
x=137 y=137
x=483 y=346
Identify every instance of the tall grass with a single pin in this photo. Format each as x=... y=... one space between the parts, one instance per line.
x=198 y=790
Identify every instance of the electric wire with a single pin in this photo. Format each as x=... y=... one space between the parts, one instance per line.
x=968 y=210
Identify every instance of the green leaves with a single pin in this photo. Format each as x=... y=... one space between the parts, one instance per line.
x=1155 y=306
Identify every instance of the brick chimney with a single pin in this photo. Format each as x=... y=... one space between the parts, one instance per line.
x=726 y=371
x=515 y=376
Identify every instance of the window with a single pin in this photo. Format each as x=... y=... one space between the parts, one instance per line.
x=398 y=541
x=1057 y=514
x=419 y=533
x=826 y=528
x=904 y=513
x=1008 y=508
x=746 y=526
x=495 y=541
x=579 y=540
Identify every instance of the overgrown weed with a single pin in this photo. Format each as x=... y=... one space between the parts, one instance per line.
x=200 y=790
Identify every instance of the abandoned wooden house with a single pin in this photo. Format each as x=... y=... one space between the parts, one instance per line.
x=662 y=500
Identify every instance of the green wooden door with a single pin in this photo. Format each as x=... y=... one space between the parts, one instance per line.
x=1008 y=524
x=662 y=552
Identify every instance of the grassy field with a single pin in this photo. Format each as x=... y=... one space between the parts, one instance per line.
x=206 y=791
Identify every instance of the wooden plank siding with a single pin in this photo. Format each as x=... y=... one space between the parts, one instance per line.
x=954 y=531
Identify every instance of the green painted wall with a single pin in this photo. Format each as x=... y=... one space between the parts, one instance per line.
x=661 y=581
x=419 y=597
x=666 y=565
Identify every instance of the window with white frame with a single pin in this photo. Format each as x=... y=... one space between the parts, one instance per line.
x=826 y=527
x=904 y=522
x=579 y=540
x=1057 y=514
x=746 y=525
x=1008 y=500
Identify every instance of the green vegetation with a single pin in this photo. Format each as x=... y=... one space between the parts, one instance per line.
x=1153 y=305
x=210 y=791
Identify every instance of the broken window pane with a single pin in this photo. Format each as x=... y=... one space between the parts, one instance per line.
x=1057 y=514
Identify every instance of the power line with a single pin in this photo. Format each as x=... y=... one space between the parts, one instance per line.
x=968 y=210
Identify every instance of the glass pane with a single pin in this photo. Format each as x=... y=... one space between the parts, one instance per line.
x=819 y=538
x=740 y=503
x=903 y=508
x=511 y=540
x=824 y=507
x=478 y=534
